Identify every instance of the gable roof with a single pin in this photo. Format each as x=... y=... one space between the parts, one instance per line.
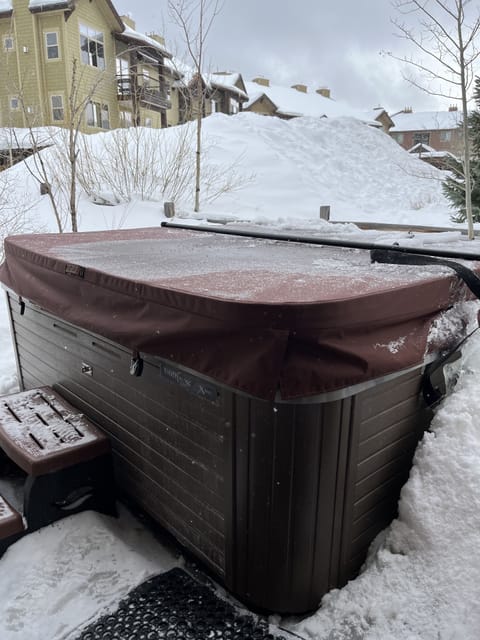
x=378 y=114
x=231 y=81
x=426 y=120
x=129 y=35
x=426 y=151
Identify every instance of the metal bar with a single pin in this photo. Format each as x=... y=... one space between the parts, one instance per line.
x=327 y=242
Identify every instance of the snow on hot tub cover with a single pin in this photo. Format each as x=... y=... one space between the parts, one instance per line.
x=258 y=315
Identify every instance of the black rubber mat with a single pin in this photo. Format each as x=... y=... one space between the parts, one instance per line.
x=176 y=606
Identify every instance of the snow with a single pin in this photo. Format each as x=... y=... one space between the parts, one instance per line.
x=144 y=39
x=279 y=171
x=429 y=120
x=33 y=4
x=20 y=138
x=422 y=577
x=226 y=81
x=291 y=102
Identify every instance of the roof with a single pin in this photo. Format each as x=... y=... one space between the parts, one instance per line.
x=376 y=113
x=425 y=151
x=45 y=5
x=294 y=103
x=426 y=120
x=130 y=35
x=217 y=80
x=18 y=138
x=229 y=81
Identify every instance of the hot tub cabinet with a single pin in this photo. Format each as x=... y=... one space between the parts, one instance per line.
x=263 y=400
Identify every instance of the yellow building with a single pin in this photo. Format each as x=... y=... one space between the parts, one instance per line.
x=65 y=59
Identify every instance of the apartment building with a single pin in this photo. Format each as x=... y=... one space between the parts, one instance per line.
x=59 y=58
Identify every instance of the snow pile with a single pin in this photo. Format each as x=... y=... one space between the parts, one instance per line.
x=255 y=168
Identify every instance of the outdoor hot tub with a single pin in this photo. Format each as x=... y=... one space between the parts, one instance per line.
x=263 y=398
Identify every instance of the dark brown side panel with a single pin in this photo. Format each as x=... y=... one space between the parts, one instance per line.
x=168 y=443
x=387 y=422
x=289 y=486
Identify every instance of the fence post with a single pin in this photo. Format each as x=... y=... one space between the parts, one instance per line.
x=169 y=209
x=325 y=212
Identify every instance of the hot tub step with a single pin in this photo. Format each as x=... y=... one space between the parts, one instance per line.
x=42 y=433
x=11 y=524
x=64 y=457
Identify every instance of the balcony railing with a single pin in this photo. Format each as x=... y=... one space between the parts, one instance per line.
x=147 y=95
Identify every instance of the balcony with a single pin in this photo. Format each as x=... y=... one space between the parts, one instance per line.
x=148 y=96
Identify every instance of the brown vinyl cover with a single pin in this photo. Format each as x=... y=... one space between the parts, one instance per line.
x=258 y=315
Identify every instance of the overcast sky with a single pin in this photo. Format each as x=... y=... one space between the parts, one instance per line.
x=335 y=44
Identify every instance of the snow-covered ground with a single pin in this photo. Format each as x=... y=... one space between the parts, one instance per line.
x=422 y=579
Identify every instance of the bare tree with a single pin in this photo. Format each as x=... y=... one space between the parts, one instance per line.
x=16 y=215
x=56 y=170
x=195 y=19
x=446 y=40
x=78 y=101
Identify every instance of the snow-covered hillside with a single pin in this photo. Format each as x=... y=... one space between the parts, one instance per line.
x=276 y=170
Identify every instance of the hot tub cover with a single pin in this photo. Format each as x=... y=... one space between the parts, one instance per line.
x=261 y=316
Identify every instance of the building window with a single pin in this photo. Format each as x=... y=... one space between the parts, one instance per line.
x=234 y=108
x=123 y=77
x=126 y=119
x=399 y=137
x=51 y=45
x=14 y=103
x=421 y=137
x=58 y=113
x=97 y=115
x=92 y=47
x=445 y=136
x=8 y=43
x=148 y=122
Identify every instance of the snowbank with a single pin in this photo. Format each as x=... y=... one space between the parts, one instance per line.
x=274 y=171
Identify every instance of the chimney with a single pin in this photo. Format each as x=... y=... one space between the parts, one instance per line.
x=324 y=91
x=408 y=110
x=157 y=38
x=129 y=21
x=453 y=107
x=300 y=87
x=264 y=82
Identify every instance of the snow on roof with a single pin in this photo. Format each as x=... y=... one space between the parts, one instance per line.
x=212 y=80
x=227 y=81
x=425 y=151
x=35 y=4
x=131 y=34
x=5 y=6
x=428 y=120
x=291 y=102
x=27 y=138
x=375 y=113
